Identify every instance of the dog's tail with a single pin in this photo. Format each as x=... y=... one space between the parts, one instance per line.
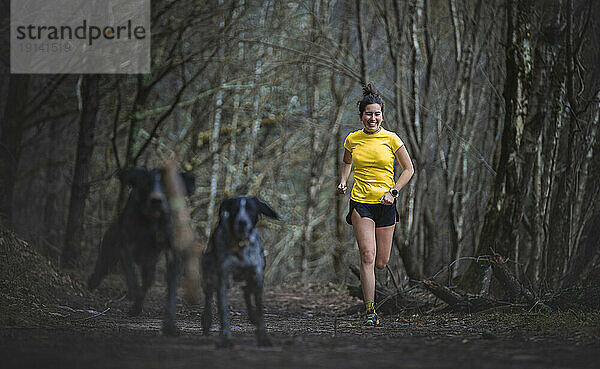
x=184 y=240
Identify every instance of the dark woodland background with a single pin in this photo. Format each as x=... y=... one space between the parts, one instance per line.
x=497 y=101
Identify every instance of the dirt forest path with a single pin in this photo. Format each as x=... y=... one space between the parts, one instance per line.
x=308 y=331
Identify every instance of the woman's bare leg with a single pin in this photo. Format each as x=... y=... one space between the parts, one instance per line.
x=383 y=239
x=364 y=231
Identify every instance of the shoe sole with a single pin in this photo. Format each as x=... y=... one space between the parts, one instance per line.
x=372 y=324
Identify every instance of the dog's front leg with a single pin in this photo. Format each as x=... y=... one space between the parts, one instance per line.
x=261 y=331
x=148 y=274
x=209 y=280
x=248 y=291
x=173 y=262
x=207 y=313
x=224 y=273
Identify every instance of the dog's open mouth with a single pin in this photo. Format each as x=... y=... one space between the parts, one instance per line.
x=154 y=214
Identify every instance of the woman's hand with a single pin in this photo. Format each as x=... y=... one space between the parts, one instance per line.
x=387 y=199
x=341 y=188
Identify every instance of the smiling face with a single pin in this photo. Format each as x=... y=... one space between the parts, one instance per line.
x=371 y=118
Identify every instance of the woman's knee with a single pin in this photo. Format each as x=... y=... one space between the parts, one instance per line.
x=380 y=264
x=367 y=257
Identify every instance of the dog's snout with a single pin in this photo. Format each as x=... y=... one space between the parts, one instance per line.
x=157 y=204
x=242 y=224
x=156 y=196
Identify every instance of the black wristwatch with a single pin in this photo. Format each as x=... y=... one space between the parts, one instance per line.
x=394 y=192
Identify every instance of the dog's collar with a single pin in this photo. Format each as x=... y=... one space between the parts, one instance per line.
x=240 y=244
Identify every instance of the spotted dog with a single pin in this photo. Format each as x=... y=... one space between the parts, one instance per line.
x=235 y=250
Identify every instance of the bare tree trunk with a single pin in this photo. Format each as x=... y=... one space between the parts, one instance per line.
x=505 y=207
x=416 y=64
x=579 y=212
x=588 y=235
x=457 y=24
x=364 y=74
x=232 y=157
x=410 y=236
x=214 y=143
x=578 y=266
x=313 y=121
x=547 y=85
x=411 y=233
x=340 y=90
x=245 y=167
x=403 y=235
x=537 y=222
x=340 y=209
x=88 y=100
x=455 y=164
x=562 y=221
x=312 y=185
x=214 y=176
x=132 y=136
x=394 y=31
x=569 y=178
x=53 y=219
x=549 y=186
x=11 y=134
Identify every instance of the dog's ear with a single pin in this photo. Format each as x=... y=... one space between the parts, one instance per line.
x=190 y=182
x=132 y=176
x=224 y=214
x=224 y=209
x=265 y=209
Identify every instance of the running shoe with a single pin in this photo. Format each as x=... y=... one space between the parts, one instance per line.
x=372 y=319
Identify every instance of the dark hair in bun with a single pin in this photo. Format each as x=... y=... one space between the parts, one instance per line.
x=370 y=96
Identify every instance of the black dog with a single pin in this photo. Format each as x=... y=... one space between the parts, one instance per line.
x=141 y=232
x=235 y=250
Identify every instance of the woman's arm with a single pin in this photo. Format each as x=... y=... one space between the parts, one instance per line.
x=407 y=172
x=345 y=171
x=407 y=167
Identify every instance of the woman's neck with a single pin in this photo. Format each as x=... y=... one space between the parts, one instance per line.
x=371 y=133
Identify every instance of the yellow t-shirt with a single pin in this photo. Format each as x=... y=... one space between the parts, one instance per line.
x=373 y=158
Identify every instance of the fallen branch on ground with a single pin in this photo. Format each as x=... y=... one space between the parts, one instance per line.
x=516 y=293
x=461 y=302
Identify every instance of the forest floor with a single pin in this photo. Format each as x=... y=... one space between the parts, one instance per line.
x=49 y=320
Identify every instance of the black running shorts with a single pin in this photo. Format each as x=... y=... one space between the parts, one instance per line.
x=382 y=215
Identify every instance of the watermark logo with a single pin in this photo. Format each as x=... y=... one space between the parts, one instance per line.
x=80 y=36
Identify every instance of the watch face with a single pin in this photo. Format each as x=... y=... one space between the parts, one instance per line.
x=394 y=192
